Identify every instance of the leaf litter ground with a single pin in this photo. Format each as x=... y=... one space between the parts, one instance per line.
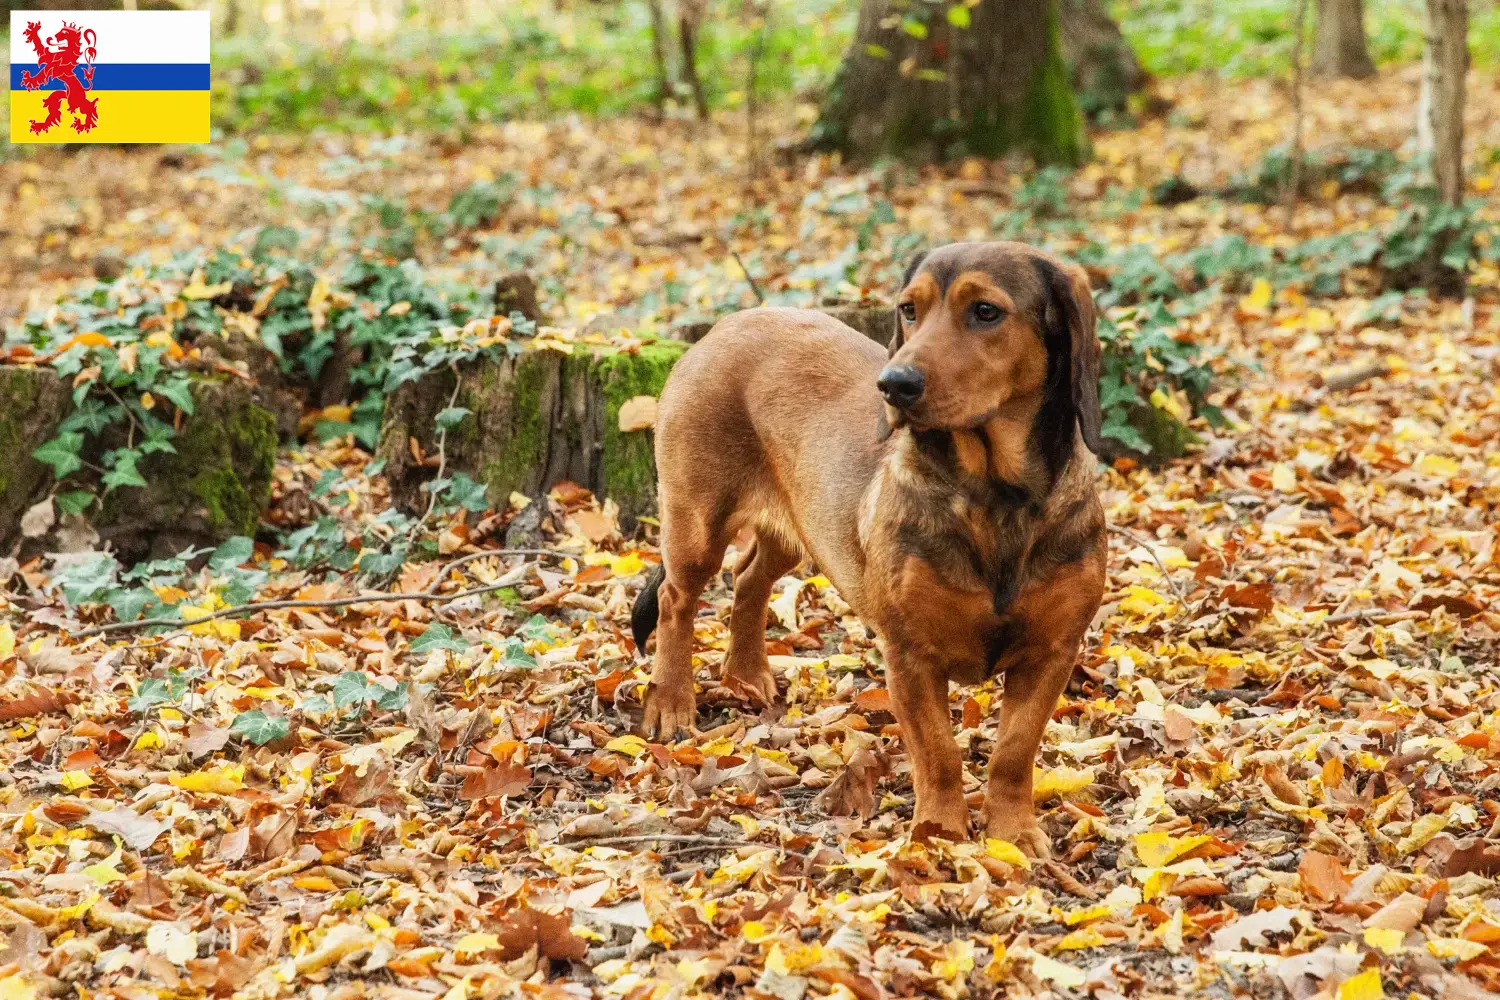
x=1275 y=772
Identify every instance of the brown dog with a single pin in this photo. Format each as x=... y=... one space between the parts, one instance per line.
x=957 y=515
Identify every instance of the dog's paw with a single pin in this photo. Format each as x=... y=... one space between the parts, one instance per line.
x=758 y=688
x=1027 y=836
x=669 y=710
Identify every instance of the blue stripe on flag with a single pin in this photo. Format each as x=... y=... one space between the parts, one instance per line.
x=127 y=76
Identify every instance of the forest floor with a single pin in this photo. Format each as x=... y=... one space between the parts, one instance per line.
x=1275 y=771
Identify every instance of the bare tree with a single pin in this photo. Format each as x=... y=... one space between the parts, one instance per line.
x=1440 y=109
x=1339 y=47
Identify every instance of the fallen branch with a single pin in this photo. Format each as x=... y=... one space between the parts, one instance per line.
x=333 y=602
x=1340 y=379
x=1127 y=533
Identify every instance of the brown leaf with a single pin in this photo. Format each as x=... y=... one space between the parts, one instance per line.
x=203 y=739
x=1178 y=726
x=1472 y=854
x=1282 y=787
x=1403 y=913
x=1323 y=876
x=551 y=933
x=504 y=779
x=39 y=702
x=852 y=793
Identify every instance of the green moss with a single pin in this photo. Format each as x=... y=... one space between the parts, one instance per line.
x=523 y=449
x=629 y=461
x=17 y=398
x=1050 y=126
x=219 y=479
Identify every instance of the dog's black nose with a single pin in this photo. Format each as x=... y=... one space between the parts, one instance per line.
x=901 y=385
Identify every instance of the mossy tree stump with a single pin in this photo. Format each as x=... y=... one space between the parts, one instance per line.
x=214 y=485
x=535 y=419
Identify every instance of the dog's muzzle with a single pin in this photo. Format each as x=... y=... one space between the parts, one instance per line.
x=901 y=385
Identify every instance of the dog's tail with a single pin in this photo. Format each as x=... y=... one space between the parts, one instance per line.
x=644 y=615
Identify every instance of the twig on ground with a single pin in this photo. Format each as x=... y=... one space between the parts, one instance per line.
x=759 y=298
x=1127 y=533
x=374 y=597
x=667 y=838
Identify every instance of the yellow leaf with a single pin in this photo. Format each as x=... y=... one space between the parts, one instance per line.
x=1143 y=601
x=1004 y=850
x=198 y=290
x=1283 y=478
x=1259 y=298
x=1436 y=465
x=1051 y=971
x=224 y=781
x=74 y=780
x=1459 y=948
x=473 y=944
x=721 y=747
x=316 y=883
x=105 y=872
x=1365 y=986
x=148 y=401
x=1387 y=939
x=1059 y=782
x=627 y=565
x=16 y=988
x=1158 y=849
x=7 y=641
x=629 y=744
x=1423 y=830
x=754 y=931
x=149 y=740
x=1086 y=914
x=1085 y=937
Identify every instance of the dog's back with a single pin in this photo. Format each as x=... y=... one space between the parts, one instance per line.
x=772 y=401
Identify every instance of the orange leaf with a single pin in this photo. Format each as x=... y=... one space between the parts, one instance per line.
x=1323 y=876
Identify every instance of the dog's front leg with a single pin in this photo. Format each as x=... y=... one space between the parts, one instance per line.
x=1032 y=688
x=919 y=699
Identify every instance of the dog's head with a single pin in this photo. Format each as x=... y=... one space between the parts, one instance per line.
x=987 y=329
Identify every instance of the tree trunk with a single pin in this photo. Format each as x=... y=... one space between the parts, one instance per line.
x=1339 y=41
x=1104 y=70
x=1440 y=110
x=924 y=82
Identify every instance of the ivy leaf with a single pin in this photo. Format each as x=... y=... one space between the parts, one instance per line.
x=515 y=655
x=393 y=699
x=352 y=688
x=233 y=553
x=451 y=417
x=85 y=580
x=179 y=391
x=153 y=691
x=438 y=636
x=61 y=453
x=122 y=469
x=74 y=501
x=468 y=494
x=535 y=628
x=260 y=728
x=128 y=605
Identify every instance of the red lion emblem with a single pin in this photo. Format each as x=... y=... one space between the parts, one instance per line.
x=59 y=55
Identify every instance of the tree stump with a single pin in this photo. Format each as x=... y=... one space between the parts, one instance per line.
x=215 y=485
x=535 y=419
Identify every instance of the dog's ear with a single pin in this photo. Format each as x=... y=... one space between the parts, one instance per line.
x=897 y=339
x=1070 y=308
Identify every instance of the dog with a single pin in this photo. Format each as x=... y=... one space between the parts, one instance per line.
x=946 y=487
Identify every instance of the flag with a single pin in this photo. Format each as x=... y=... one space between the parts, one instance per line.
x=109 y=76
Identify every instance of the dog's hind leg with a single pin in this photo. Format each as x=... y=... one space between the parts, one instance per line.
x=746 y=670
x=692 y=547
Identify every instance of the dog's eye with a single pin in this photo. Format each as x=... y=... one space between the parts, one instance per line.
x=986 y=312
x=909 y=311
